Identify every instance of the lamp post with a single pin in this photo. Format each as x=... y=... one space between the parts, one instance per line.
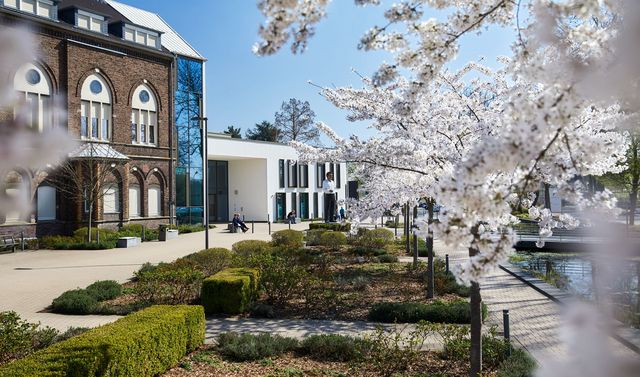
x=205 y=159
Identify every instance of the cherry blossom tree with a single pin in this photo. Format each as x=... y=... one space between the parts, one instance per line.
x=558 y=104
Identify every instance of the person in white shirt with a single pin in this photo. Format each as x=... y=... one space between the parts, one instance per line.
x=329 y=188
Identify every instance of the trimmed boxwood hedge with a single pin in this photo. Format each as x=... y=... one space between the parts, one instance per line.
x=146 y=343
x=230 y=291
x=337 y=227
x=413 y=312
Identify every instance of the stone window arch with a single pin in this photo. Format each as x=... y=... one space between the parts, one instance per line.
x=96 y=108
x=144 y=116
x=36 y=91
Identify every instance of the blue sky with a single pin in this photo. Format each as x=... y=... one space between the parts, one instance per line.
x=243 y=89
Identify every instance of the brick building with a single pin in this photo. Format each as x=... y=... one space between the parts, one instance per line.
x=131 y=85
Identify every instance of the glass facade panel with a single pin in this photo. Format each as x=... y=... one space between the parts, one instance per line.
x=189 y=170
x=304 y=205
x=281 y=199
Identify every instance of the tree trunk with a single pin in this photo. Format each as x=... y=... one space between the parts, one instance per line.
x=407 y=243
x=633 y=204
x=90 y=216
x=476 y=321
x=430 y=268
x=547 y=196
x=476 y=330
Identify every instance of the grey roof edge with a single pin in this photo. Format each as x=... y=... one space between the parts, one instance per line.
x=200 y=56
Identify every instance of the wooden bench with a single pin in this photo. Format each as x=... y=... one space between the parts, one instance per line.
x=8 y=243
x=233 y=229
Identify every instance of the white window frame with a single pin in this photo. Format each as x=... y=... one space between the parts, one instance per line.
x=92 y=17
x=140 y=32
x=51 y=205
x=38 y=97
x=91 y=106
x=158 y=198
x=147 y=112
x=136 y=188
x=116 y=198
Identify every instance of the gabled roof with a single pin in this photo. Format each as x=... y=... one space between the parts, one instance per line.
x=96 y=151
x=170 y=40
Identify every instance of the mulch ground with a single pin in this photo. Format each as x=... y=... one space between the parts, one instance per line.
x=349 y=292
x=206 y=362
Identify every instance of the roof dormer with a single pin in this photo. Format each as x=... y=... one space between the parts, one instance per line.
x=85 y=19
x=136 y=34
x=42 y=8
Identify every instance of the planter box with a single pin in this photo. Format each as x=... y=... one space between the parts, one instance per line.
x=126 y=242
x=168 y=234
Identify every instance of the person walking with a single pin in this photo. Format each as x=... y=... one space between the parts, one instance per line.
x=329 y=188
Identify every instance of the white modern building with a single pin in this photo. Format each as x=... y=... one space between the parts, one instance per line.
x=263 y=181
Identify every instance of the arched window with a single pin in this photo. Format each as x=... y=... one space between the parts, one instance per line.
x=154 y=199
x=111 y=198
x=32 y=82
x=46 y=203
x=134 y=201
x=144 y=119
x=95 y=117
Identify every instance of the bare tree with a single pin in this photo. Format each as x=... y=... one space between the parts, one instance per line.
x=295 y=122
x=85 y=174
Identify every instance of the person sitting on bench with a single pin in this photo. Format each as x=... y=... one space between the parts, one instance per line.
x=237 y=223
x=291 y=217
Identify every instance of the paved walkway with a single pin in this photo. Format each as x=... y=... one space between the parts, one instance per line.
x=30 y=280
x=534 y=319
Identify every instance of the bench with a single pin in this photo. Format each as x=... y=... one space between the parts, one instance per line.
x=127 y=242
x=233 y=229
x=8 y=243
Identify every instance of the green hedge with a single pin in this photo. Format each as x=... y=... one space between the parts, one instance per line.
x=246 y=248
x=288 y=239
x=146 y=343
x=333 y=240
x=337 y=227
x=519 y=364
x=313 y=236
x=413 y=312
x=230 y=291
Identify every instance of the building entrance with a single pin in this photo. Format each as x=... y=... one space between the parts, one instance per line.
x=218 y=173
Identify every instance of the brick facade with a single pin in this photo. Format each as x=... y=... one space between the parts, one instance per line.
x=68 y=57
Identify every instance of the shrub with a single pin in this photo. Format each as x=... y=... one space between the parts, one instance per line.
x=250 y=247
x=146 y=267
x=77 y=301
x=374 y=238
x=190 y=228
x=281 y=276
x=393 y=224
x=245 y=347
x=519 y=364
x=230 y=291
x=333 y=240
x=105 y=234
x=332 y=347
x=262 y=311
x=130 y=230
x=445 y=283
x=146 y=343
x=288 y=239
x=336 y=227
x=208 y=261
x=72 y=243
x=495 y=351
x=366 y=251
x=151 y=235
x=313 y=236
x=70 y=333
x=387 y=258
x=18 y=338
x=168 y=284
x=104 y=290
x=412 y=312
